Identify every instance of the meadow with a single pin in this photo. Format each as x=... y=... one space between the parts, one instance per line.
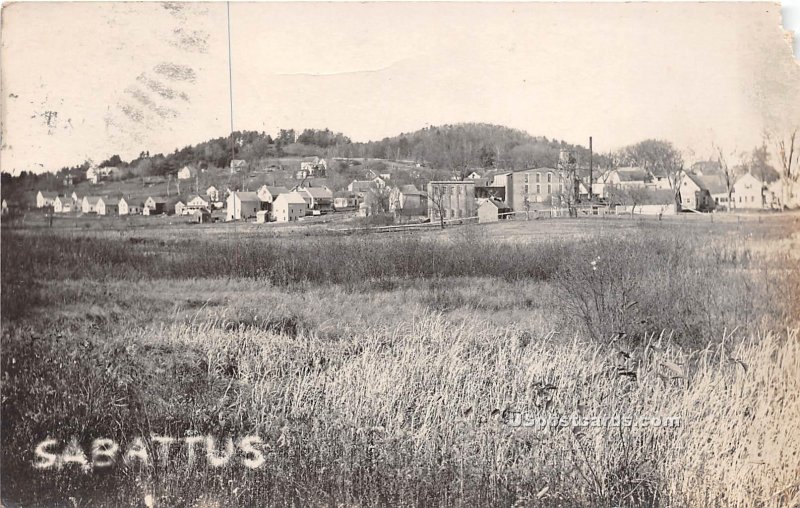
x=392 y=369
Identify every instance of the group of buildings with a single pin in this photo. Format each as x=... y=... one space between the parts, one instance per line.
x=550 y=190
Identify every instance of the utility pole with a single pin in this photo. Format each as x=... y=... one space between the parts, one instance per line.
x=591 y=157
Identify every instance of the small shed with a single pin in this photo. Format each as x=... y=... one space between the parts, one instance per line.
x=492 y=210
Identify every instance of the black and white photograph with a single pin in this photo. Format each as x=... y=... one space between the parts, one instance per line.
x=368 y=254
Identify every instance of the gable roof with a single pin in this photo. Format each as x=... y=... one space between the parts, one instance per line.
x=411 y=190
x=362 y=185
x=500 y=205
x=110 y=201
x=48 y=195
x=157 y=199
x=92 y=200
x=318 y=192
x=247 y=196
x=631 y=174
x=292 y=198
x=130 y=201
x=275 y=190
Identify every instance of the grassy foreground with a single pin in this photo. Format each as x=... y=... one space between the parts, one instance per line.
x=392 y=370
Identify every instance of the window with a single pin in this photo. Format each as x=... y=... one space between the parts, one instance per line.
x=538 y=176
x=526 y=177
x=525 y=189
x=549 y=177
x=538 y=188
x=549 y=188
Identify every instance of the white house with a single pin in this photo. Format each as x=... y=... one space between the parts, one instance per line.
x=289 y=207
x=492 y=210
x=44 y=199
x=107 y=206
x=238 y=165
x=62 y=204
x=187 y=173
x=269 y=194
x=130 y=206
x=317 y=198
x=313 y=166
x=92 y=174
x=197 y=203
x=242 y=205
x=748 y=192
x=154 y=205
x=89 y=204
x=181 y=209
x=212 y=193
x=474 y=175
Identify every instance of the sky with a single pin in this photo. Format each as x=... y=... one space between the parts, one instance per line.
x=87 y=80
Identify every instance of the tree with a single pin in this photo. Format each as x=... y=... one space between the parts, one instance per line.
x=727 y=174
x=660 y=159
x=435 y=197
x=789 y=158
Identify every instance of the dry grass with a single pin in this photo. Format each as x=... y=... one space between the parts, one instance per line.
x=400 y=389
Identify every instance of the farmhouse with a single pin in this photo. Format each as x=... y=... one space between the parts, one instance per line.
x=242 y=205
x=344 y=200
x=748 y=192
x=313 y=166
x=317 y=198
x=269 y=194
x=197 y=203
x=154 y=206
x=130 y=206
x=62 y=204
x=107 y=206
x=44 y=199
x=492 y=210
x=89 y=204
x=238 y=165
x=212 y=193
x=450 y=199
x=289 y=207
x=694 y=195
x=181 y=209
x=409 y=200
x=92 y=175
x=716 y=188
x=187 y=172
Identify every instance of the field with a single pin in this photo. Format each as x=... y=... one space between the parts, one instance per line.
x=411 y=368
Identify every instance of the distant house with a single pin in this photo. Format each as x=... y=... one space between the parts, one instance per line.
x=130 y=206
x=289 y=207
x=89 y=204
x=474 y=175
x=313 y=166
x=345 y=201
x=187 y=172
x=181 y=209
x=492 y=210
x=68 y=180
x=92 y=175
x=317 y=198
x=238 y=165
x=242 y=205
x=748 y=192
x=201 y=215
x=694 y=194
x=154 y=206
x=76 y=199
x=212 y=193
x=63 y=204
x=269 y=194
x=107 y=206
x=409 y=200
x=197 y=203
x=361 y=187
x=627 y=177
x=44 y=199
x=716 y=188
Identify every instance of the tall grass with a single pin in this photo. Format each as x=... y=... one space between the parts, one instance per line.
x=418 y=414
